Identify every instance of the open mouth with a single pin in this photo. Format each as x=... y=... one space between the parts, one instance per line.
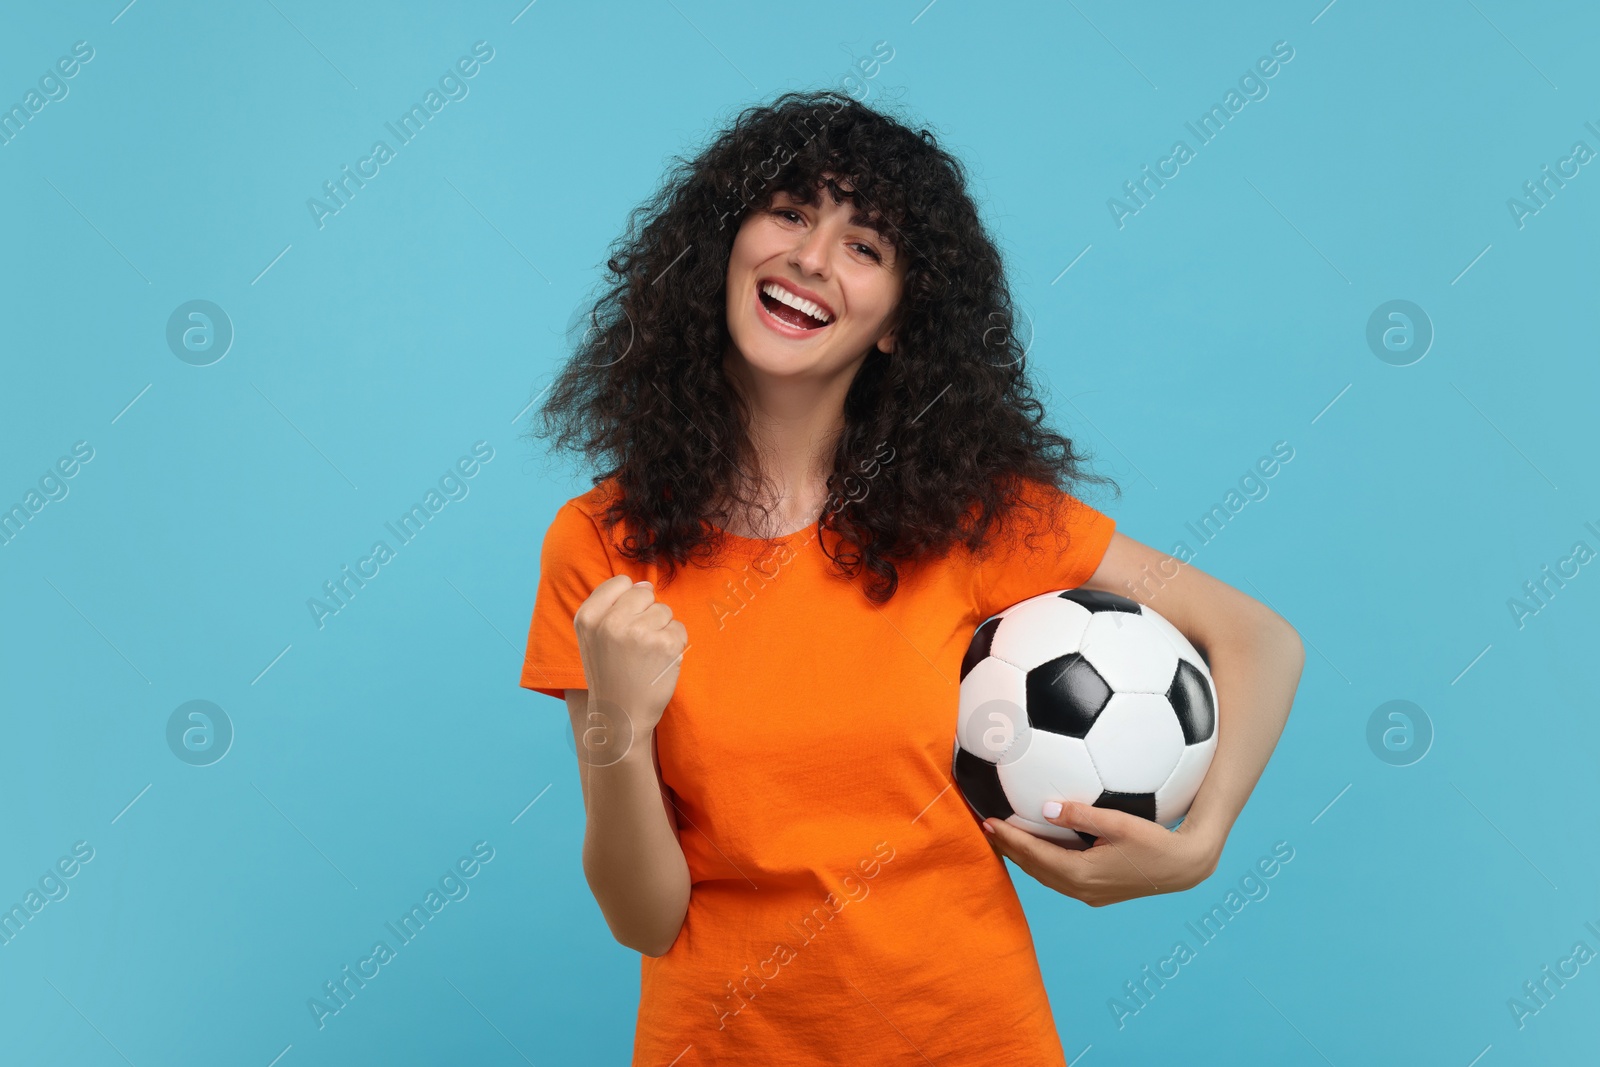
x=792 y=310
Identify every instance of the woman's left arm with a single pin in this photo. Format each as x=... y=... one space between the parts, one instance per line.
x=1255 y=658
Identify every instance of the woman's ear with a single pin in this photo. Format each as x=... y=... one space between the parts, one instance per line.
x=886 y=343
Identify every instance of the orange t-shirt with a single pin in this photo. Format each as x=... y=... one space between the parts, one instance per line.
x=845 y=904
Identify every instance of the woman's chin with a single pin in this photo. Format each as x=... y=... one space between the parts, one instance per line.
x=775 y=355
x=777 y=366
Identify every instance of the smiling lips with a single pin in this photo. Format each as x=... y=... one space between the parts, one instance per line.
x=798 y=315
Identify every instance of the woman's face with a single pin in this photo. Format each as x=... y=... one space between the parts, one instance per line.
x=844 y=275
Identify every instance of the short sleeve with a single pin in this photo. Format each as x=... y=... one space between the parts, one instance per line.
x=1056 y=544
x=572 y=561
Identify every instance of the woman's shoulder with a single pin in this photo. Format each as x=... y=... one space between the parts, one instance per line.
x=597 y=499
x=1025 y=503
x=579 y=517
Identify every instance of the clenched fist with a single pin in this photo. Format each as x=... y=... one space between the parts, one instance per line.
x=632 y=650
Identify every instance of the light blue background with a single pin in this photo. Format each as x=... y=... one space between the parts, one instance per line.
x=372 y=753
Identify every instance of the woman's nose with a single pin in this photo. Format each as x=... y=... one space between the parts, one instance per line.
x=811 y=254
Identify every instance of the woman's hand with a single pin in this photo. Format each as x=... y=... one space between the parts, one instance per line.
x=1131 y=857
x=631 y=648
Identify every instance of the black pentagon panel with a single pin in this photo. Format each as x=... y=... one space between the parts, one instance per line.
x=1096 y=600
x=978 y=649
x=1066 y=695
x=979 y=781
x=1190 y=697
x=1140 y=804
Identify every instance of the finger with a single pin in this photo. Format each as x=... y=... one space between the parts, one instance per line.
x=608 y=592
x=1103 y=823
x=1027 y=851
x=1018 y=846
x=677 y=637
x=992 y=836
x=1113 y=829
x=657 y=613
x=638 y=598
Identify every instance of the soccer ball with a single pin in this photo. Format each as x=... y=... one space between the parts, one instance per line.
x=1085 y=696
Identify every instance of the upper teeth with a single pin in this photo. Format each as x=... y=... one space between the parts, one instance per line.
x=784 y=296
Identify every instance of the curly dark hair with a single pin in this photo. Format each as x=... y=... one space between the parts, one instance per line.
x=645 y=400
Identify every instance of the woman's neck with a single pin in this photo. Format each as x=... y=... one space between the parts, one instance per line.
x=793 y=431
x=784 y=508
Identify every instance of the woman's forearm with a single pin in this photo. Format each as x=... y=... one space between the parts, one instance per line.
x=631 y=856
x=1256 y=670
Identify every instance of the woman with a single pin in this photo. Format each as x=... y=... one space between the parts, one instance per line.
x=822 y=467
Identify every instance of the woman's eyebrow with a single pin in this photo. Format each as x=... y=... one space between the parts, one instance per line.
x=875 y=222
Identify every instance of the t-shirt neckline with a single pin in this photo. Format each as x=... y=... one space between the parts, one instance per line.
x=759 y=540
x=793 y=538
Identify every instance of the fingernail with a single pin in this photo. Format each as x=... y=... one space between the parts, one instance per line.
x=1052 y=808
x=988 y=829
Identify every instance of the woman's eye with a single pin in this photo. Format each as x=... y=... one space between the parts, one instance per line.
x=791 y=215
